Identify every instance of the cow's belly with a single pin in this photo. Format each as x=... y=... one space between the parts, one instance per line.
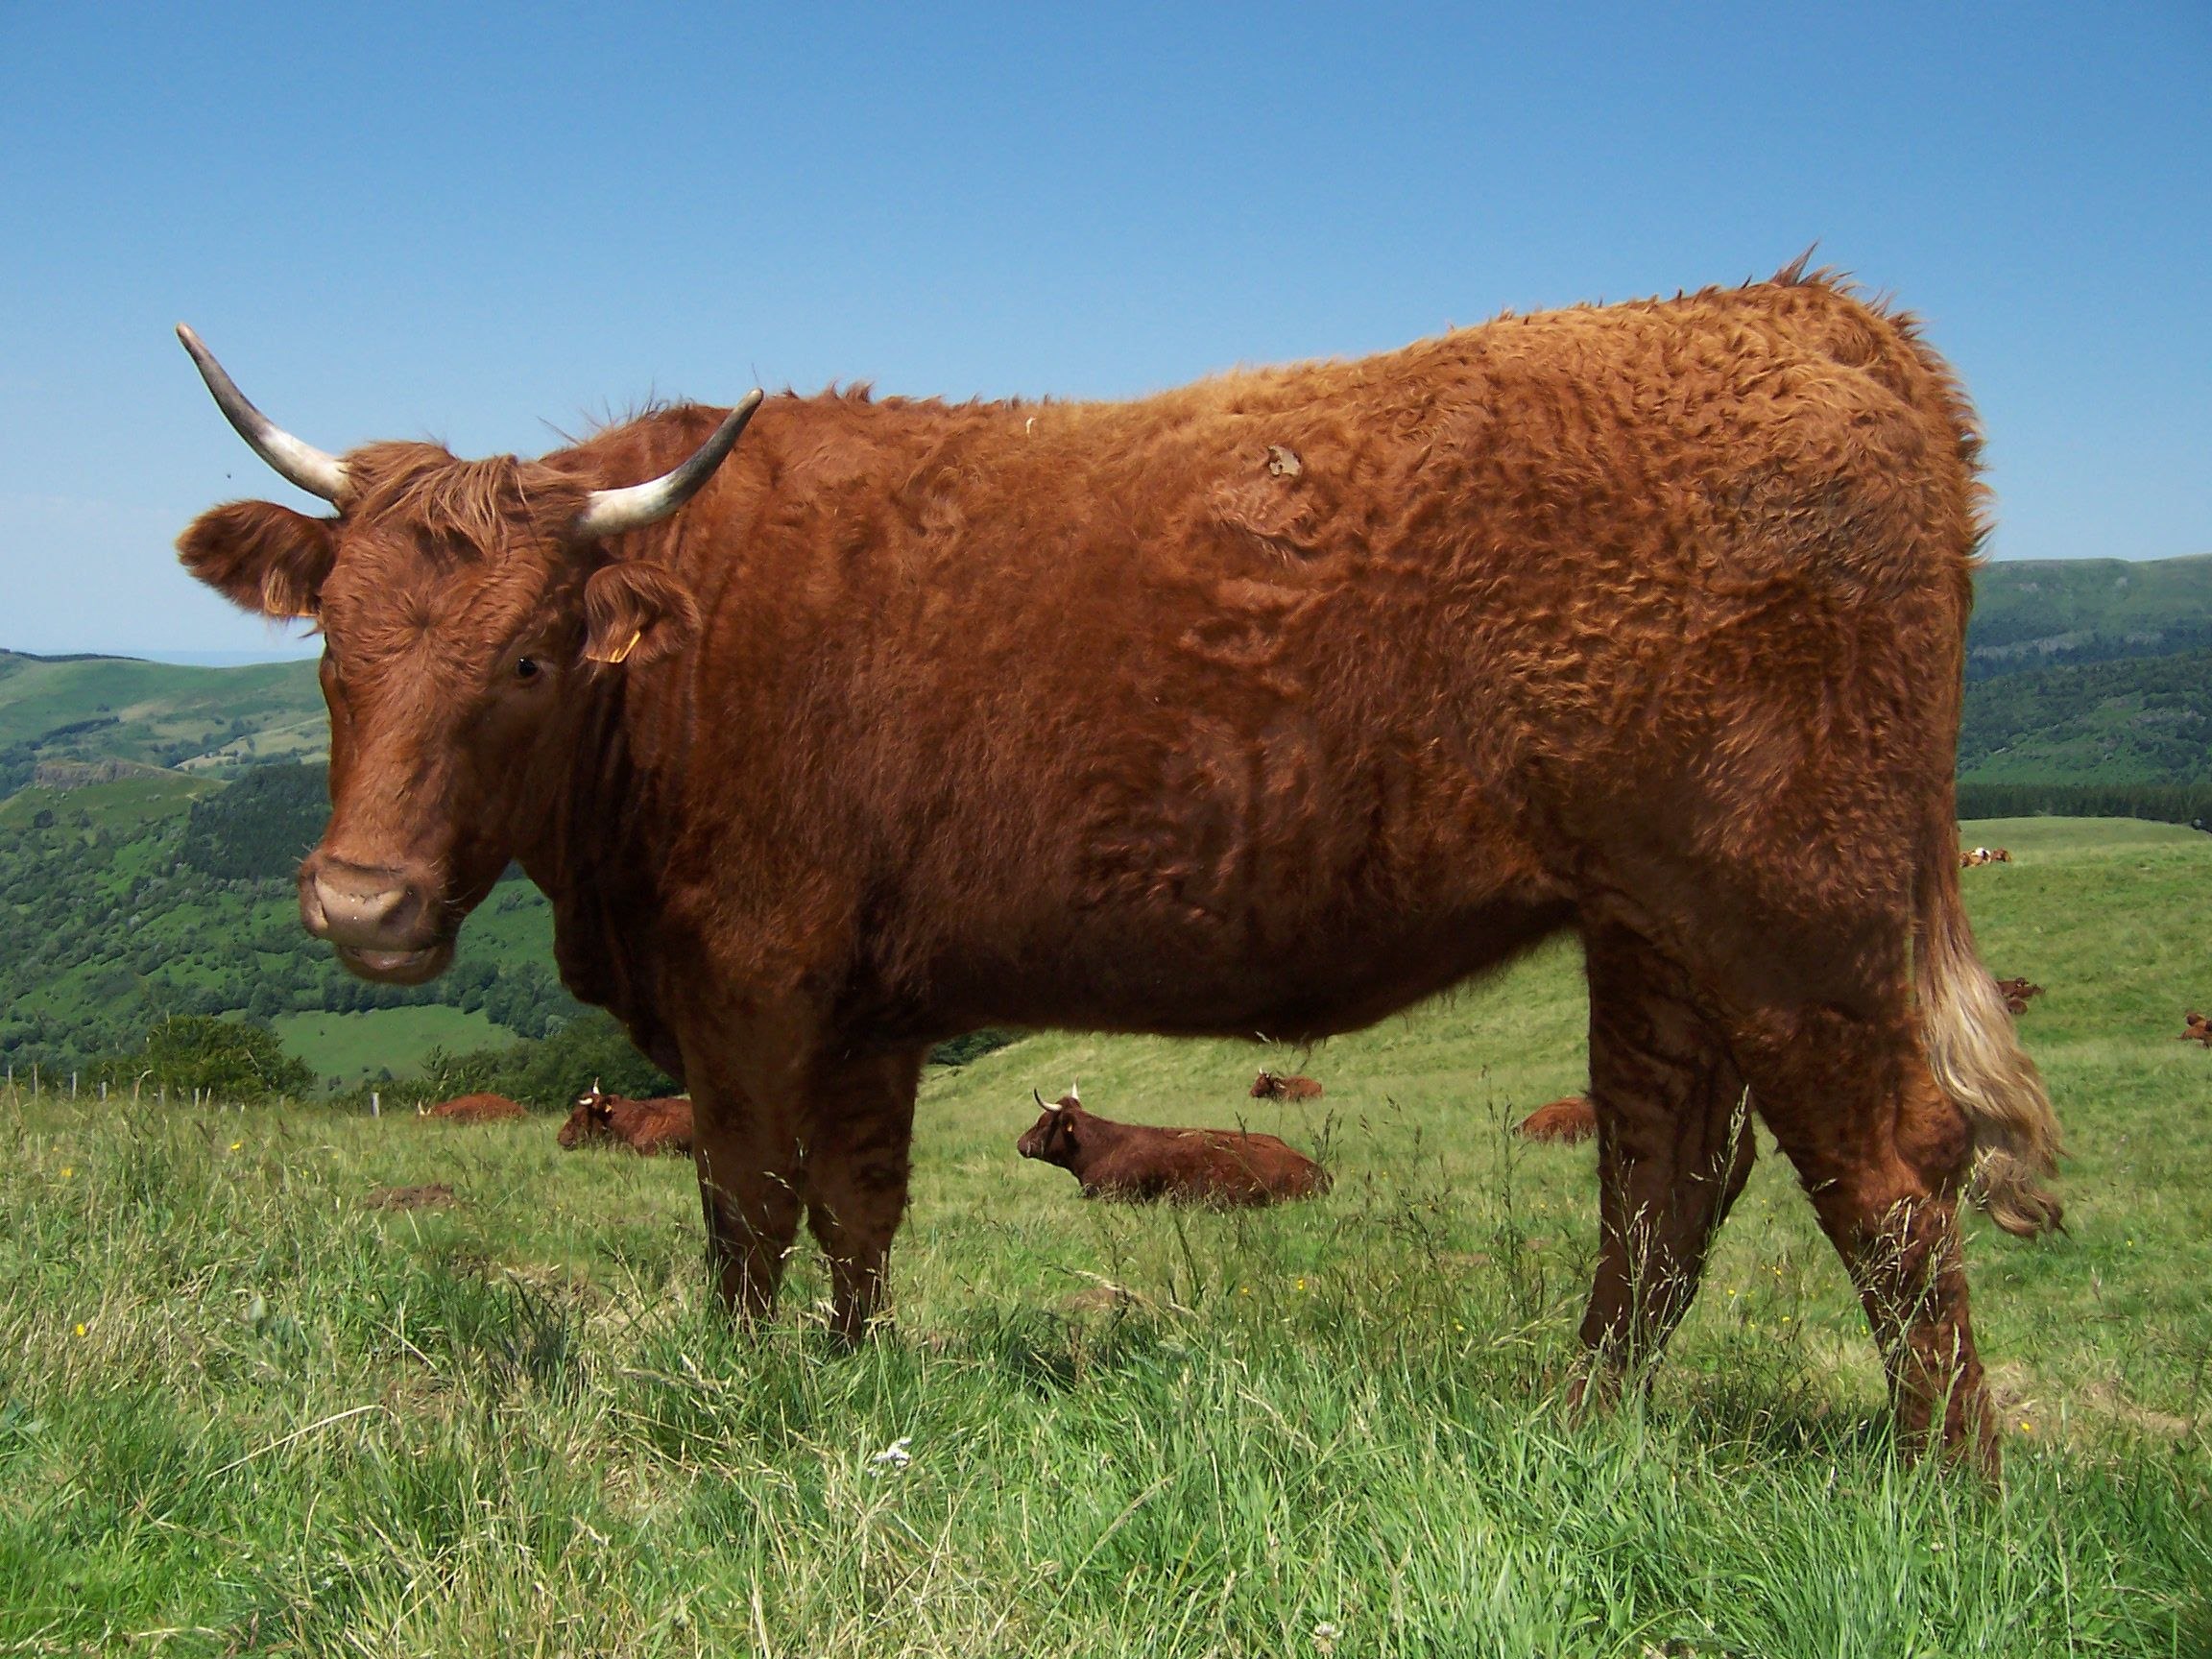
x=1194 y=975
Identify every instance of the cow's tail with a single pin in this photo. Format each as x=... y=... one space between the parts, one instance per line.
x=1975 y=1051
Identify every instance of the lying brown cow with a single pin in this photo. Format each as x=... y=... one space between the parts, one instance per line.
x=2016 y=993
x=2196 y=1028
x=897 y=719
x=663 y=1124
x=1983 y=856
x=1567 y=1119
x=1270 y=1086
x=473 y=1109
x=1138 y=1164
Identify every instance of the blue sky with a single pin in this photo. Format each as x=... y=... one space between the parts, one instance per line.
x=485 y=225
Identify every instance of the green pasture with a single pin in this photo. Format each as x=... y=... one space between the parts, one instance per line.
x=356 y=1047
x=247 y=1406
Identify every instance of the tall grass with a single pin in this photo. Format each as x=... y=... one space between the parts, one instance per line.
x=246 y=1408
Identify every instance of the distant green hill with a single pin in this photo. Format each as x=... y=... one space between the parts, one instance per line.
x=2145 y=720
x=171 y=893
x=91 y=708
x=2037 y=613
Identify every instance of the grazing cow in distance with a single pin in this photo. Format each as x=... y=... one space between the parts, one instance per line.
x=473 y=1109
x=1138 y=1164
x=1567 y=1119
x=2196 y=1028
x=1983 y=856
x=1271 y=1086
x=2016 y=993
x=900 y=719
x=663 y=1124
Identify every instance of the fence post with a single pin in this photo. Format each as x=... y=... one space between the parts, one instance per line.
x=34 y=1079
x=72 y=1085
x=103 y=1090
x=375 y=1104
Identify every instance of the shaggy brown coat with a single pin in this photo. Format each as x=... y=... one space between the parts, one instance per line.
x=663 y=1124
x=1270 y=1086
x=475 y=1109
x=1139 y=1163
x=1567 y=1119
x=1273 y=704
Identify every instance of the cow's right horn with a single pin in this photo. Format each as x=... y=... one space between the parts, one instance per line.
x=297 y=462
x=1048 y=1105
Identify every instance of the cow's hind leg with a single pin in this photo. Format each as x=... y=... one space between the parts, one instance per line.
x=1883 y=1154
x=1674 y=1148
x=853 y=1178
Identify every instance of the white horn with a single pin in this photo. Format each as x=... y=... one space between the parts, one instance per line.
x=301 y=463
x=1048 y=1105
x=611 y=512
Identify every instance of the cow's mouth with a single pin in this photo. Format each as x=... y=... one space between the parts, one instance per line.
x=398 y=967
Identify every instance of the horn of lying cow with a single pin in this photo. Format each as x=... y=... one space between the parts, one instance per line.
x=632 y=507
x=1048 y=1105
x=301 y=463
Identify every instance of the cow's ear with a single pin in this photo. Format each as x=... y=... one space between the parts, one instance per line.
x=261 y=557
x=634 y=612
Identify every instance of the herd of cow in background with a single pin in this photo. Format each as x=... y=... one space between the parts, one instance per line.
x=1128 y=1162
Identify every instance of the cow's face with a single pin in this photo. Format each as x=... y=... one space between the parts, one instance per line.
x=593 y=1119
x=467 y=608
x=1057 y=1133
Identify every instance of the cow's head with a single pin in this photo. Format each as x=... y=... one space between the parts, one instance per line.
x=1057 y=1135
x=465 y=607
x=591 y=1119
x=1266 y=1085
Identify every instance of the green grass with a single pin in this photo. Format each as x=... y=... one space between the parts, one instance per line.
x=296 y=1422
x=355 y=1048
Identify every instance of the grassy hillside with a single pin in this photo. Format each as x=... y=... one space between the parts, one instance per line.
x=2142 y=721
x=2029 y=612
x=113 y=913
x=346 y=1050
x=114 y=708
x=252 y=1408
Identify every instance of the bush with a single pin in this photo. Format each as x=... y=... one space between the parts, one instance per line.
x=219 y=1057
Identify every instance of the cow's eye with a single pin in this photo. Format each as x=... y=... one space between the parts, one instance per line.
x=525 y=667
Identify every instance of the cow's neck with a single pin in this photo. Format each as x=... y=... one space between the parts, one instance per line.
x=594 y=846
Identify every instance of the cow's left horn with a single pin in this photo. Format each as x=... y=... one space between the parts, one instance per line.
x=301 y=463
x=611 y=512
x=1048 y=1105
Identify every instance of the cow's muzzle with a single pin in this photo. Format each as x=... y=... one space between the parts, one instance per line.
x=382 y=921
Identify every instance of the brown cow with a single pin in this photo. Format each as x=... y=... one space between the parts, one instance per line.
x=1272 y=1086
x=2016 y=993
x=2196 y=1028
x=1138 y=1164
x=473 y=1109
x=662 y=1124
x=1567 y=1119
x=922 y=717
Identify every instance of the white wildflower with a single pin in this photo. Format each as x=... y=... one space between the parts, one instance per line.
x=893 y=1456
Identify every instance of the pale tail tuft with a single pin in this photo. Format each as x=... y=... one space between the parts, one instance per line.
x=1977 y=1061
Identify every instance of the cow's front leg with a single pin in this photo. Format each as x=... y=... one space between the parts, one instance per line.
x=746 y=1149
x=858 y=1141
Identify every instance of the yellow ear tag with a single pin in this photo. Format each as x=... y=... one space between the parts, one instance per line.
x=629 y=645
